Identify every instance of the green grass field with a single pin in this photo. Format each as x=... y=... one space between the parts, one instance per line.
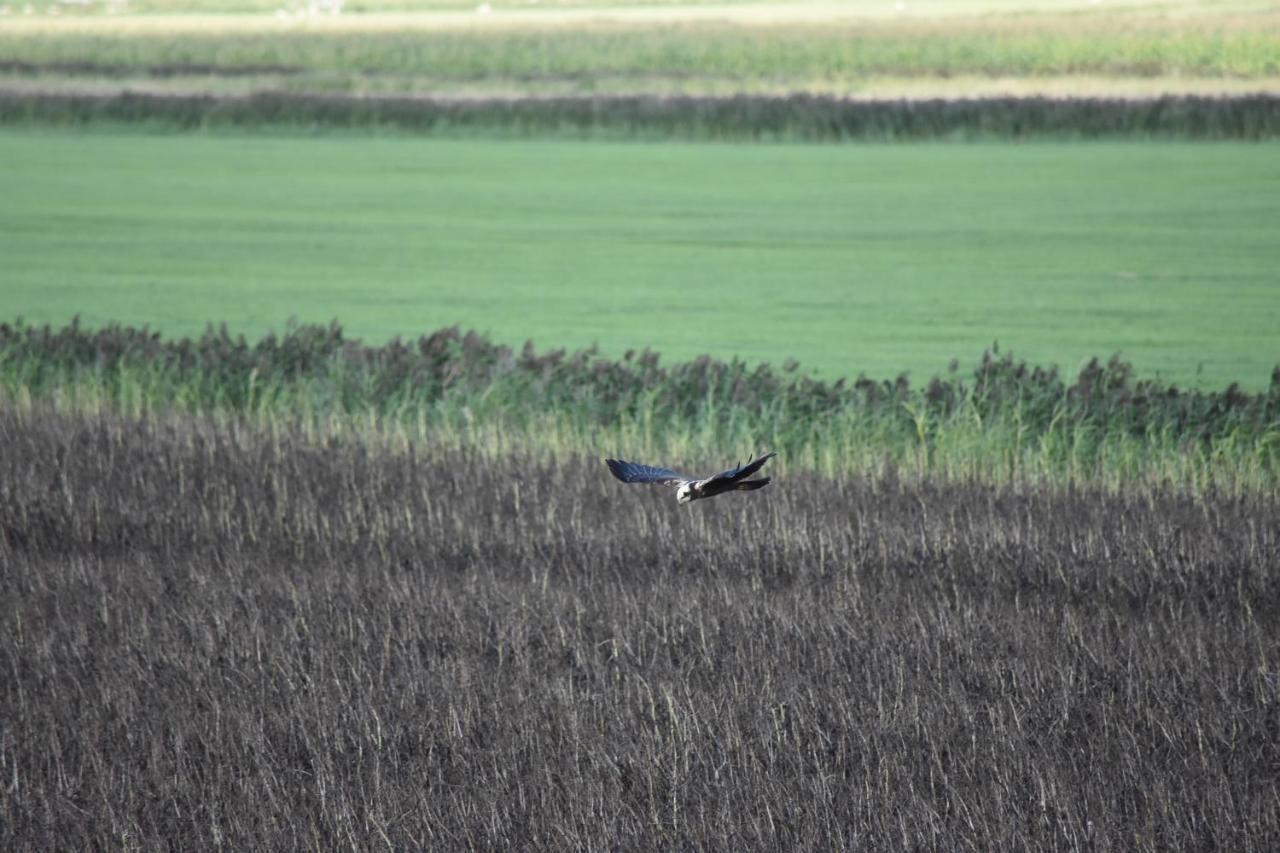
x=851 y=259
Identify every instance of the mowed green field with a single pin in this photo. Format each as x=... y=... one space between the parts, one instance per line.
x=851 y=259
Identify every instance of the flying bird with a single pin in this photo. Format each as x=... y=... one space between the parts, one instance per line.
x=692 y=488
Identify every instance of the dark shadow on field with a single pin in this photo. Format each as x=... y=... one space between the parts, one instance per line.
x=214 y=635
x=795 y=117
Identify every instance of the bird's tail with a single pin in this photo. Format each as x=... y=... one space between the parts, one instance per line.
x=752 y=485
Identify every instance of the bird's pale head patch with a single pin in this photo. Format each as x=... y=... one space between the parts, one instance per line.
x=684 y=494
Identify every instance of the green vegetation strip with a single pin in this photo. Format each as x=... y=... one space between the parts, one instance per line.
x=808 y=118
x=1004 y=421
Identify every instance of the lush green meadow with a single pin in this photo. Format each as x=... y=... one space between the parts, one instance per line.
x=874 y=259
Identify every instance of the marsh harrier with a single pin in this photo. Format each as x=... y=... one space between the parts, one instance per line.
x=692 y=488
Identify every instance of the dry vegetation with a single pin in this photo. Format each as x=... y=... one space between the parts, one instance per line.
x=218 y=636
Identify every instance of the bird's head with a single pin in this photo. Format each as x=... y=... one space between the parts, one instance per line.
x=684 y=494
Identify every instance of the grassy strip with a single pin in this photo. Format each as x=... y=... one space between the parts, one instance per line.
x=795 y=117
x=75 y=80
x=1003 y=422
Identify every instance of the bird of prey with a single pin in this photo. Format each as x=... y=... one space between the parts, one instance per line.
x=692 y=488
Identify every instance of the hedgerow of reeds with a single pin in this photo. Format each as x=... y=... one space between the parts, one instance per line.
x=815 y=118
x=1004 y=420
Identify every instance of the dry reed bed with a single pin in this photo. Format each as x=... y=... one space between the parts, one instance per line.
x=215 y=636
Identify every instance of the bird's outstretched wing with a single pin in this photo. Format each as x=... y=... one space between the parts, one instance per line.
x=741 y=472
x=634 y=472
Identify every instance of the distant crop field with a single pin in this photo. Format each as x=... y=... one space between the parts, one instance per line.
x=930 y=48
x=451 y=11
x=856 y=259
